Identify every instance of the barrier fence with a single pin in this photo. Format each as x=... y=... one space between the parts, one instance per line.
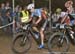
x=6 y=25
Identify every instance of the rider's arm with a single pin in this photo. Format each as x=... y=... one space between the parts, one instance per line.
x=38 y=20
x=63 y=19
x=39 y=15
x=63 y=16
x=30 y=18
x=44 y=15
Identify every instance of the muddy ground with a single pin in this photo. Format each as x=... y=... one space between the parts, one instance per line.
x=5 y=46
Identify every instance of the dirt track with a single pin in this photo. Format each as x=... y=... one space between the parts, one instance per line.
x=5 y=46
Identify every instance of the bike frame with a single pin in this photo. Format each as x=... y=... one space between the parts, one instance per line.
x=33 y=35
x=30 y=30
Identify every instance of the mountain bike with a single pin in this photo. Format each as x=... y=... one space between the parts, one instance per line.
x=60 y=40
x=22 y=41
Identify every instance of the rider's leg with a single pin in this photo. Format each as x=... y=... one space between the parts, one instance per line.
x=42 y=34
x=36 y=29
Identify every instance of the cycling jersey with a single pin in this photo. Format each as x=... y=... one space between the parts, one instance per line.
x=63 y=14
x=69 y=19
x=40 y=13
x=37 y=12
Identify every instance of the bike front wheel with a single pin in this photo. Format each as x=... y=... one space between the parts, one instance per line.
x=58 y=42
x=21 y=43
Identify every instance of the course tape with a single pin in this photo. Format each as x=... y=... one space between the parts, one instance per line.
x=6 y=25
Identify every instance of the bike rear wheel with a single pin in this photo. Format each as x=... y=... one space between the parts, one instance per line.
x=58 y=44
x=21 y=43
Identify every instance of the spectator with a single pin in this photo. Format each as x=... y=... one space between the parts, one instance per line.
x=1 y=19
x=8 y=15
x=17 y=8
x=2 y=10
x=17 y=12
x=7 y=6
x=9 y=19
x=17 y=17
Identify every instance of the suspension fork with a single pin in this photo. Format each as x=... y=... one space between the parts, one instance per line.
x=62 y=37
x=63 y=33
x=25 y=36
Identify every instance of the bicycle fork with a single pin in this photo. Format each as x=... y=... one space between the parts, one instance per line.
x=23 y=40
x=60 y=40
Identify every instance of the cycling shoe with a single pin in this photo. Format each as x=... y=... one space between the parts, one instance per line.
x=41 y=46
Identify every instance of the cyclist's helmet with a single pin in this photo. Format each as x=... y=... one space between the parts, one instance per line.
x=30 y=6
x=58 y=10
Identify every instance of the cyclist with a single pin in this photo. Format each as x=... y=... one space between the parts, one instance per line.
x=67 y=19
x=56 y=16
x=67 y=14
x=69 y=6
x=39 y=20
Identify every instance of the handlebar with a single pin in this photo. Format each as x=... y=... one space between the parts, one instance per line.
x=63 y=26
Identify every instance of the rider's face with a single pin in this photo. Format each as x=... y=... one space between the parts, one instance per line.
x=32 y=10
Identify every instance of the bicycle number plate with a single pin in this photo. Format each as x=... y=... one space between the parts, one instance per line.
x=62 y=26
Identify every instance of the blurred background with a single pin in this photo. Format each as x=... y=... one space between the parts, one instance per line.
x=41 y=3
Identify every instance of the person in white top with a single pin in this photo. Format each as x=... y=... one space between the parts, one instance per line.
x=67 y=18
x=56 y=16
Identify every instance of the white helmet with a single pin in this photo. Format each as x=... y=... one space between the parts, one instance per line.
x=30 y=6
